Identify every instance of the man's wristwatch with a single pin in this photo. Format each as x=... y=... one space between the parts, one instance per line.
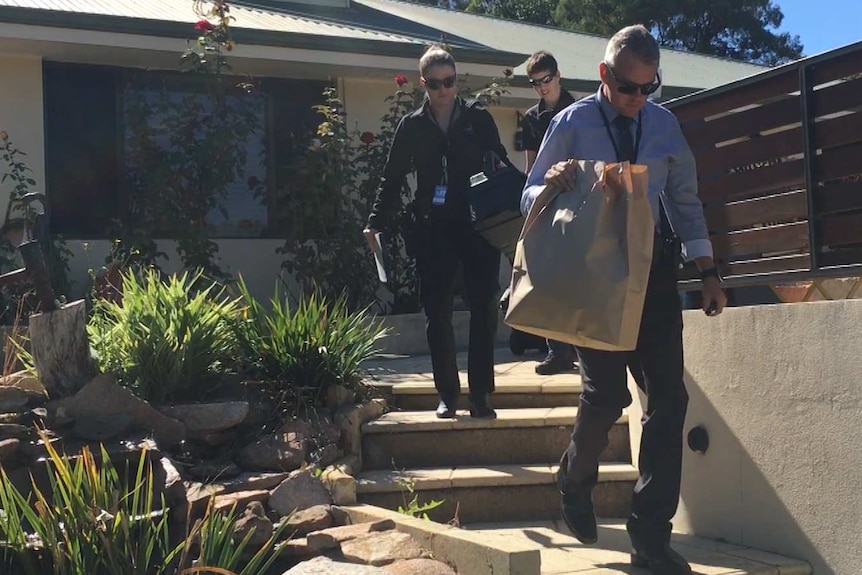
x=711 y=273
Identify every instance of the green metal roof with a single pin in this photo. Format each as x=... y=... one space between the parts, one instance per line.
x=270 y=26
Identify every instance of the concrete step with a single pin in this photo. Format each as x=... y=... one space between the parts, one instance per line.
x=562 y=554
x=535 y=435
x=511 y=393
x=493 y=493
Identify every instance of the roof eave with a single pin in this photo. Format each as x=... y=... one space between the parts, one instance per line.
x=161 y=28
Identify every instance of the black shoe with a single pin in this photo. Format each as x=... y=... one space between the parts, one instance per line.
x=662 y=561
x=446 y=409
x=554 y=364
x=481 y=409
x=578 y=513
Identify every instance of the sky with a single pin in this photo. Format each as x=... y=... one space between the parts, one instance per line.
x=822 y=24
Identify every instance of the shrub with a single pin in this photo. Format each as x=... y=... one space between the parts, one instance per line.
x=168 y=340
x=303 y=352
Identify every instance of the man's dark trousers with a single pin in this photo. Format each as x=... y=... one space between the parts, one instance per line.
x=442 y=247
x=657 y=366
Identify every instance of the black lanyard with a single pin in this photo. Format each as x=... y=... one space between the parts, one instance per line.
x=664 y=223
x=638 y=134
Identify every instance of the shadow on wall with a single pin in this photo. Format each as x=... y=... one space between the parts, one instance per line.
x=725 y=496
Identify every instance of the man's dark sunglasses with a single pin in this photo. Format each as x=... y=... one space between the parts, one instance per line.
x=629 y=88
x=434 y=84
x=535 y=83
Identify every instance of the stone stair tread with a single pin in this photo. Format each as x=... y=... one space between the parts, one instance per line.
x=416 y=421
x=565 y=383
x=385 y=481
x=562 y=554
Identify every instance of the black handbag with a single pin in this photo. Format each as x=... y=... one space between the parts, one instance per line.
x=495 y=203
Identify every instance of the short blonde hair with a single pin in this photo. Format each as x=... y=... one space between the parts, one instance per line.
x=435 y=56
x=637 y=41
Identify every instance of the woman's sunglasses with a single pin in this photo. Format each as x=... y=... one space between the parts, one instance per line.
x=536 y=82
x=629 y=88
x=435 y=84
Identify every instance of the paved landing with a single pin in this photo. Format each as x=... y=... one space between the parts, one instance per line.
x=511 y=371
x=562 y=554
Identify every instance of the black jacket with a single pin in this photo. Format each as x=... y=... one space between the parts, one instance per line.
x=420 y=145
x=538 y=118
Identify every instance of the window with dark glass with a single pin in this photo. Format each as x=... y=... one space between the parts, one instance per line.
x=120 y=142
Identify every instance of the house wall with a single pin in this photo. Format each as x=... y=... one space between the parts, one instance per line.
x=21 y=116
x=779 y=391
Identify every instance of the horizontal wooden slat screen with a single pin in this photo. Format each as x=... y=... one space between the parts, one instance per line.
x=754 y=165
x=839 y=197
x=721 y=101
x=779 y=209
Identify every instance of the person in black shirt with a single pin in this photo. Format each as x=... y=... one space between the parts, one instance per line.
x=445 y=142
x=544 y=75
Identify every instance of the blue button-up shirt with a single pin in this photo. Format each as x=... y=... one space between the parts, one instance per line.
x=578 y=132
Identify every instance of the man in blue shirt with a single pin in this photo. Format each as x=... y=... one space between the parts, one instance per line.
x=618 y=123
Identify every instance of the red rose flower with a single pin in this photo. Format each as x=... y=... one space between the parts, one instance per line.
x=400 y=79
x=203 y=26
x=366 y=138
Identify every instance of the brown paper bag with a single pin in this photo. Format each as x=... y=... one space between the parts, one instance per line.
x=583 y=259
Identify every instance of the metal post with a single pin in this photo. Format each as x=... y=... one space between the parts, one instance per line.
x=809 y=146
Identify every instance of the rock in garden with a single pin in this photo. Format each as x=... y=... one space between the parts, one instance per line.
x=101 y=427
x=208 y=417
x=102 y=396
x=300 y=490
x=382 y=548
x=198 y=495
x=239 y=500
x=19 y=418
x=214 y=438
x=14 y=431
x=14 y=398
x=326 y=455
x=335 y=536
x=326 y=566
x=169 y=483
x=309 y=520
x=26 y=381
x=350 y=420
x=254 y=521
x=338 y=396
x=419 y=567
x=253 y=481
x=9 y=448
x=214 y=471
x=296 y=431
x=280 y=452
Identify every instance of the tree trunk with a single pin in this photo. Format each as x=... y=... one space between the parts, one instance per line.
x=61 y=350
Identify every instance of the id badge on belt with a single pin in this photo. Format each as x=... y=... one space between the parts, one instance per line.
x=442 y=188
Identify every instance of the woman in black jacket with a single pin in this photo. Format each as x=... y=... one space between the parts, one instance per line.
x=445 y=142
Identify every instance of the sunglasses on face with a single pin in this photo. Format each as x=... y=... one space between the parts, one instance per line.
x=628 y=88
x=537 y=82
x=435 y=84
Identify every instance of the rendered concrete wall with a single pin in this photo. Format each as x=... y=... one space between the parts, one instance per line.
x=21 y=116
x=779 y=389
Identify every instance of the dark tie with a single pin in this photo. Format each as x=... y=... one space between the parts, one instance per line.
x=625 y=140
x=626 y=145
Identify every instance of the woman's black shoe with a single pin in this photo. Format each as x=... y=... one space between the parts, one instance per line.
x=446 y=409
